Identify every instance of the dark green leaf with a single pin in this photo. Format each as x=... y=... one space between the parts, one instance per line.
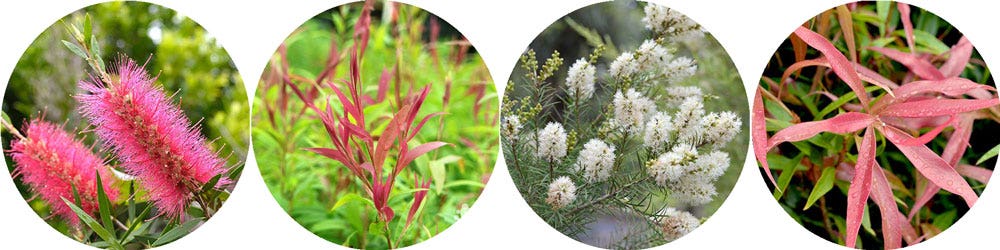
x=823 y=185
x=104 y=205
x=92 y=224
x=176 y=233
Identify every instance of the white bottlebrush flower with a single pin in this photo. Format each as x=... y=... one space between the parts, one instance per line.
x=657 y=132
x=687 y=120
x=671 y=166
x=709 y=166
x=580 y=79
x=510 y=127
x=631 y=109
x=624 y=66
x=679 y=69
x=720 y=128
x=652 y=56
x=676 y=95
x=676 y=223
x=561 y=193
x=670 y=23
x=596 y=161
x=551 y=142
x=692 y=191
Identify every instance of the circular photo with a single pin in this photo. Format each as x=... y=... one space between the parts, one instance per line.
x=125 y=125
x=623 y=125
x=375 y=125
x=876 y=101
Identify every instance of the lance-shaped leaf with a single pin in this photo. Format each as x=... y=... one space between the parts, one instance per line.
x=418 y=198
x=840 y=124
x=864 y=73
x=847 y=28
x=958 y=58
x=840 y=65
x=861 y=184
x=904 y=14
x=892 y=220
x=922 y=68
x=418 y=151
x=974 y=172
x=758 y=134
x=954 y=87
x=936 y=107
x=931 y=166
x=930 y=135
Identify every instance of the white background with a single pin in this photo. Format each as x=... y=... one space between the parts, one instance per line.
x=500 y=30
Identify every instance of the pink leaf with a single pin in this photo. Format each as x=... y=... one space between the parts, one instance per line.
x=758 y=131
x=840 y=124
x=418 y=151
x=952 y=153
x=904 y=13
x=838 y=62
x=975 y=172
x=329 y=153
x=418 y=198
x=931 y=166
x=349 y=107
x=416 y=129
x=922 y=68
x=958 y=58
x=930 y=135
x=954 y=87
x=892 y=221
x=861 y=184
x=936 y=107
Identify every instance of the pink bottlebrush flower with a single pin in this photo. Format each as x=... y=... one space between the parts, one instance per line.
x=52 y=163
x=150 y=136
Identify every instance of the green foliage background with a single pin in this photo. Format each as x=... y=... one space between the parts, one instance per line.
x=188 y=61
x=320 y=193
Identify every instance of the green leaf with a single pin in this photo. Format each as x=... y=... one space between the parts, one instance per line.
x=135 y=222
x=95 y=48
x=326 y=225
x=104 y=206
x=87 y=27
x=788 y=170
x=76 y=194
x=208 y=186
x=823 y=185
x=989 y=154
x=92 y=224
x=75 y=49
x=944 y=220
x=866 y=222
x=176 y=233
x=376 y=228
x=349 y=198
x=438 y=172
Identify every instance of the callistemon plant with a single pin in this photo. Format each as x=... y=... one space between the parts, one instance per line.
x=150 y=136
x=629 y=146
x=59 y=168
x=877 y=132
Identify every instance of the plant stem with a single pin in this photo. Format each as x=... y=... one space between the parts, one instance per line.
x=12 y=129
x=387 y=238
x=608 y=195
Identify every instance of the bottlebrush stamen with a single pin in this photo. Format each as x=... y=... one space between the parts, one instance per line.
x=53 y=163
x=150 y=136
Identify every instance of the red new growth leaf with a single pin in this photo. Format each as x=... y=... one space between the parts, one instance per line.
x=861 y=184
x=958 y=58
x=931 y=165
x=954 y=87
x=930 y=135
x=892 y=220
x=840 y=65
x=922 y=68
x=840 y=124
x=418 y=198
x=904 y=14
x=420 y=150
x=936 y=107
x=974 y=172
x=758 y=133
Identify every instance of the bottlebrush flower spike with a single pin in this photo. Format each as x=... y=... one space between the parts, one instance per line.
x=150 y=136
x=53 y=163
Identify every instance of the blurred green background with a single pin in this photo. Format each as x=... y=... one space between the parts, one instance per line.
x=185 y=57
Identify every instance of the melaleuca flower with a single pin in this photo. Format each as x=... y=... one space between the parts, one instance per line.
x=674 y=96
x=658 y=130
x=631 y=109
x=624 y=67
x=665 y=22
x=551 y=142
x=511 y=127
x=652 y=56
x=671 y=166
x=709 y=166
x=687 y=120
x=150 y=136
x=596 y=161
x=676 y=223
x=720 y=128
x=52 y=163
x=562 y=192
x=580 y=79
x=692 y=190
x=678 y=69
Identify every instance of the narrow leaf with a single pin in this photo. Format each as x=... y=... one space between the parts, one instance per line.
x=954 y=87
x=840 y=65
x=104 y=206
x=91 y=223
x=930 y=135
x=840 y=124
x=976 y=173
x=861 y=184
x=176 y=233
x=921 y=67
x=989 y=154
x=758 y=130
x=847 y=27
x=420 y=150
x=904 y=14
x=892 y=221
x=823 y=185
x=75 y=49
x=936 y=107
x=958 y=58
x=931 y=166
